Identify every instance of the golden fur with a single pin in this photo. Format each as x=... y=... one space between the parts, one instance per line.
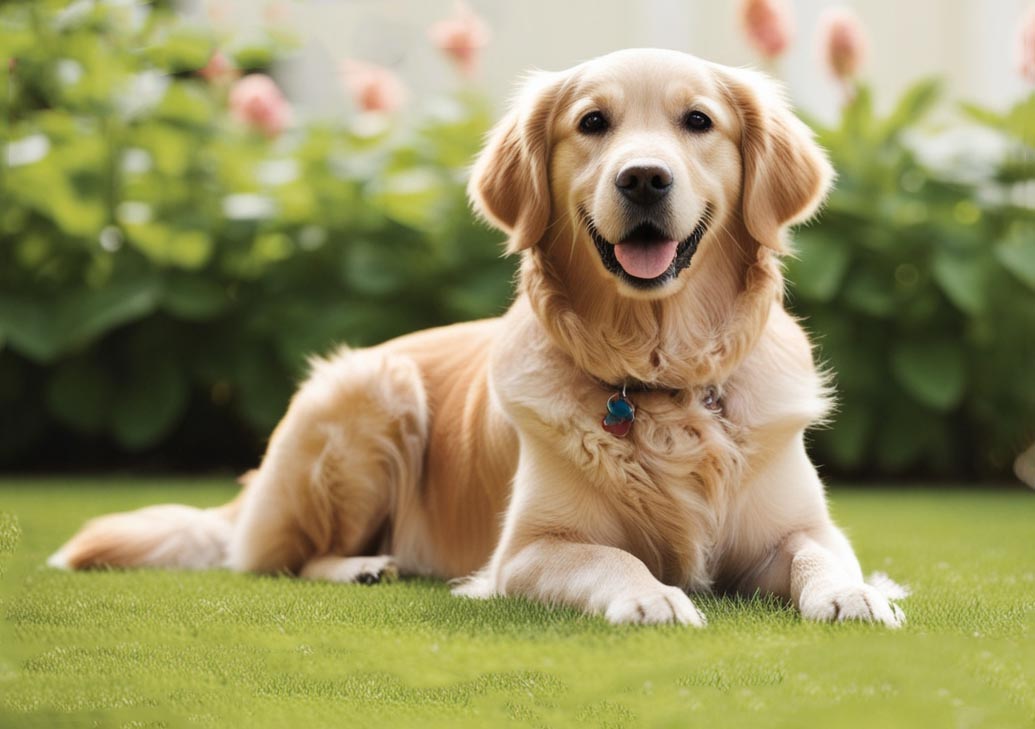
x=476 y=451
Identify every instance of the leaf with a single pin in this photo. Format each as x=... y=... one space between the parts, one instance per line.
x=818 y=266
x=151 y=404
x=410 y=197
x=484 y=292
x=47 y=188
x=903 y=435
x=371 y=267
x=251 y=55
x=331 y=324
x=846 y=441
x=1021 y=120
x=89 y=313
x=189 y=249
x=870 y=292
x=80 y=394
x=857 y=119
x=271 y=247
x=264 y=388
x=931 y=370
x=170 y=147
x=184 y=247
x=181 y=49
x=912 y=106
x=964 y=279
x=193 y=298
x=1017 y=255
x=850 y=349
x=296 y=203
x=983 y=116
x=30 y=326
x=16 y=39
x=184 y=103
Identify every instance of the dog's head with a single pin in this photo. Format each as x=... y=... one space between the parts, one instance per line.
x=643 y=156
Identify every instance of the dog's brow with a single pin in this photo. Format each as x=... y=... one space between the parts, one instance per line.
x=610 y=91
x=686 y=99
x=586 y=104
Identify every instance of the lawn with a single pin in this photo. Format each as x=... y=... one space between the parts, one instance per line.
x=218 y=649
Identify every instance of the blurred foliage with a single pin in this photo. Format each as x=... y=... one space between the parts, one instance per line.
x=919 y=282
x=165 y=271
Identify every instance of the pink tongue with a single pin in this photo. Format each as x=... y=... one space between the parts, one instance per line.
x=646 y=260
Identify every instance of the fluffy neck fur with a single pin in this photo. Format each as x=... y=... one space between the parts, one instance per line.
x=696 y=336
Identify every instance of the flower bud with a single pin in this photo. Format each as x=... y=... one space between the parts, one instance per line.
x=219 y=69
x=1026 y=46
x=768 y=24
x=373 y=87
x=257 y=101
x=842 y=42
x=461 y=37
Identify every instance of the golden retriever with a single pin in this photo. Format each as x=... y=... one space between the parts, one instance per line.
x=630 y=431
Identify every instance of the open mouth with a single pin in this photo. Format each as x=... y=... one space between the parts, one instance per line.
x=647 y=257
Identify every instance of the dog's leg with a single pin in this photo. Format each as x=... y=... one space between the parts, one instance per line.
x=557 y=548
x=813 y=564
x=819 y=573
x=597 y=579
x=351 y=441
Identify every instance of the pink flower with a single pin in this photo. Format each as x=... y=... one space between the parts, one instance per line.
x=277 y=13
x=373 y=87
x=219 y=69
x=842 y=42
x=461 y=37
x=1026 y=46
x=768 y=25
x=256 y=101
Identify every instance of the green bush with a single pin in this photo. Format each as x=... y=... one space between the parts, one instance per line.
x=165 y=271
x=163 y=268
x=920 y=285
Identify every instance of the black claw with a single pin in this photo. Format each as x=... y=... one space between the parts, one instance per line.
x=368 y=578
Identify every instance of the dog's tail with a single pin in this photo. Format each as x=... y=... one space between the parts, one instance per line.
x=169 y=535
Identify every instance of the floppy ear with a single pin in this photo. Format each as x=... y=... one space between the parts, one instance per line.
x=786 y=174
x=509 y=183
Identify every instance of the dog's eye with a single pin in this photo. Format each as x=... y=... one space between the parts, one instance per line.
x=593 y=123
x=697 y=122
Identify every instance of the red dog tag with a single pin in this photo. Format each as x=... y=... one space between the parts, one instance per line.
x=620 y=415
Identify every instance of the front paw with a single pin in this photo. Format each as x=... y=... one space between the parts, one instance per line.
x=851 y=602
x=661 y=604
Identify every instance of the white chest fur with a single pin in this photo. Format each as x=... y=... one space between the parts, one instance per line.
x=667 y=491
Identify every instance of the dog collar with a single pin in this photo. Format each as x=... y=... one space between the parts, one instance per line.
x=621 y=412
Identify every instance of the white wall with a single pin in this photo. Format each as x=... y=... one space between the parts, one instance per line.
x=969 y=42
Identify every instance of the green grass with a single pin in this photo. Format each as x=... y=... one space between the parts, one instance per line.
x=152 y=648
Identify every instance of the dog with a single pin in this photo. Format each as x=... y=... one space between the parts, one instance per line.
x=631 y=431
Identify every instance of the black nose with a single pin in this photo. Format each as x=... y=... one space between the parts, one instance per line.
x=644 y=182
